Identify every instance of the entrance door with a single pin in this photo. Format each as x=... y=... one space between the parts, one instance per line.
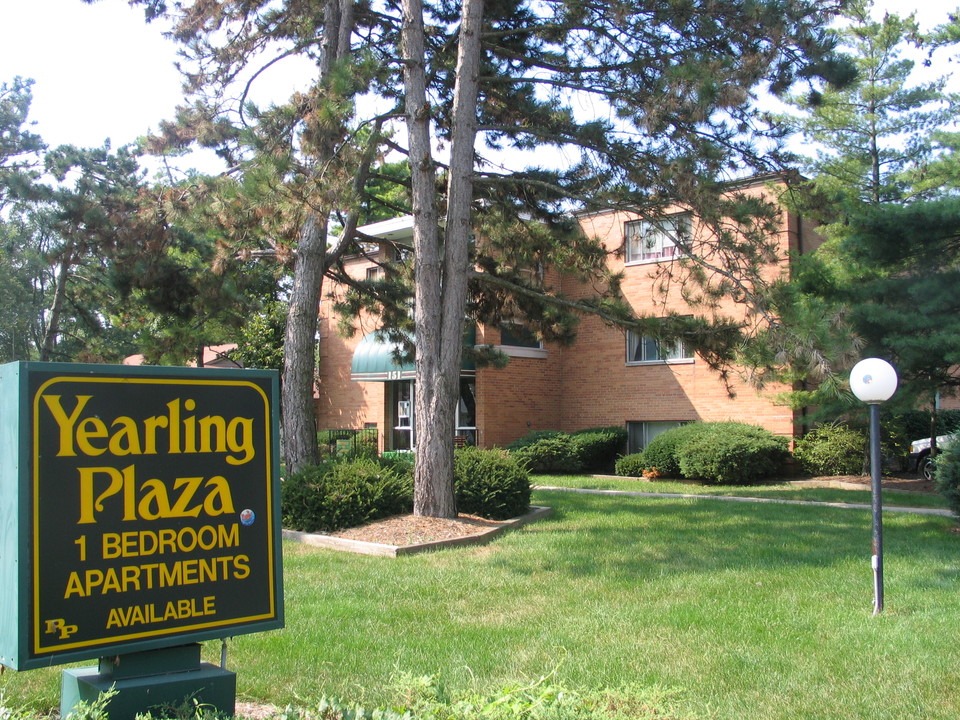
x=402 y=402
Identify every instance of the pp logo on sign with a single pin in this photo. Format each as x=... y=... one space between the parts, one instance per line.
x=60 y=627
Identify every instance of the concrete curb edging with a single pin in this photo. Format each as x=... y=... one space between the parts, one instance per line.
x=732 y=498
x=537 y=512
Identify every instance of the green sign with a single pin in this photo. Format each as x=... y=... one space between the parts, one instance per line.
x=151 y=509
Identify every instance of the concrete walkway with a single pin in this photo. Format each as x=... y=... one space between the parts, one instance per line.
x=732 y=498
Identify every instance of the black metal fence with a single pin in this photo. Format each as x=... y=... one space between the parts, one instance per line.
x=350 y=441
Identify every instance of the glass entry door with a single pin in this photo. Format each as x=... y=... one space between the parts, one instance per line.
x=402 y=403
x=401 y=398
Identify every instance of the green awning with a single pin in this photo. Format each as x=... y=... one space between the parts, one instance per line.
x=375 y=360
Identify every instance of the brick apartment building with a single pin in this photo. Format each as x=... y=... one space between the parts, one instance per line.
x=607 y=377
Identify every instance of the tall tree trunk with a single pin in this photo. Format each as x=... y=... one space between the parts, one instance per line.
x=299 y=347
x=299 y=344
x=56 y=307
x=440 y=272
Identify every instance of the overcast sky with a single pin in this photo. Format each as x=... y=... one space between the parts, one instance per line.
x=102 y=72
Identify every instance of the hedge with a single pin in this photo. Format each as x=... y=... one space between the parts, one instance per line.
x=336 y=495
x=832 y=450
x=732 y=453
x=490 y=483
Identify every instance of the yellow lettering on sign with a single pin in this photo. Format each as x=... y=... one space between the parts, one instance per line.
x=66 y=422
x=131 y=578
x=126 y=440
x=186 y=432
x=151 y=500
x=91 y=428
x=182 y=609
x=91 y=504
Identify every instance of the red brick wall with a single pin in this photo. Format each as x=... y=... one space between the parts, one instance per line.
x=512 y=401
x=599 y=388
x=340 y=401
x=585 y=385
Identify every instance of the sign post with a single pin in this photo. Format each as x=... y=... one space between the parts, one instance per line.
x=139 y=515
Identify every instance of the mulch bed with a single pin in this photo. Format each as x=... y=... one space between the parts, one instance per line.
x=403 y=530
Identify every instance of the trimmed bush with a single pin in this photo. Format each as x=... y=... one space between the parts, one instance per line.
x=661 y=452
x=947 y=476
x=832 y=450
x=337 y=495
x=490 y=483
x=533 y=437
x=631 y=465
x=557 y=454
x=399 y=461
x=599 y=448
x=731 y=453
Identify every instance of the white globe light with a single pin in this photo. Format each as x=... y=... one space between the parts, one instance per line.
x=873 y=380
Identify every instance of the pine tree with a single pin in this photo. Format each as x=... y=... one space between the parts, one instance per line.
x=669 y=87
x=680 y=119
x=881 y=184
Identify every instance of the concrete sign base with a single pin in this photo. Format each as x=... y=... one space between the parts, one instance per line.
x=150 y=681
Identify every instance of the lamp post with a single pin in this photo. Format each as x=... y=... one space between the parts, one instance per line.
x=874 y=381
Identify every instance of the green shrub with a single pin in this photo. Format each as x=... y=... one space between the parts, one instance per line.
x=490 y=483
x=832 y=450
x=731 y=453
x=947 y=476
x=631 y=465
x=557 y=454
x=599 y=448
x=399 y=461
x=661 y=452
x=336 y=495
x=532 y=437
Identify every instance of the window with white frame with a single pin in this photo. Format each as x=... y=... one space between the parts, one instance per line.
x=516 y=334
x=643 y=349
x=402 y=398
x=639 y=434
x=653 y=240
x=518 y=340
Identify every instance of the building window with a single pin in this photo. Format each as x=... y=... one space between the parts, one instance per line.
x=643 y=349
x=517 y=340
x=639 y=434
x=374 y=274
x=653 y=240
x=516 y=335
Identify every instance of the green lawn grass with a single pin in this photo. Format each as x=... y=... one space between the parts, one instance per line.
x=745 y=610
x=900 y=498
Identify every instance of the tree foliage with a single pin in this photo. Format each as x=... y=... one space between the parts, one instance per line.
x=679 y=121
x=19 y=148
x=97 y=263
x=876 y=136
x=882 y=188
x=635 y=106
